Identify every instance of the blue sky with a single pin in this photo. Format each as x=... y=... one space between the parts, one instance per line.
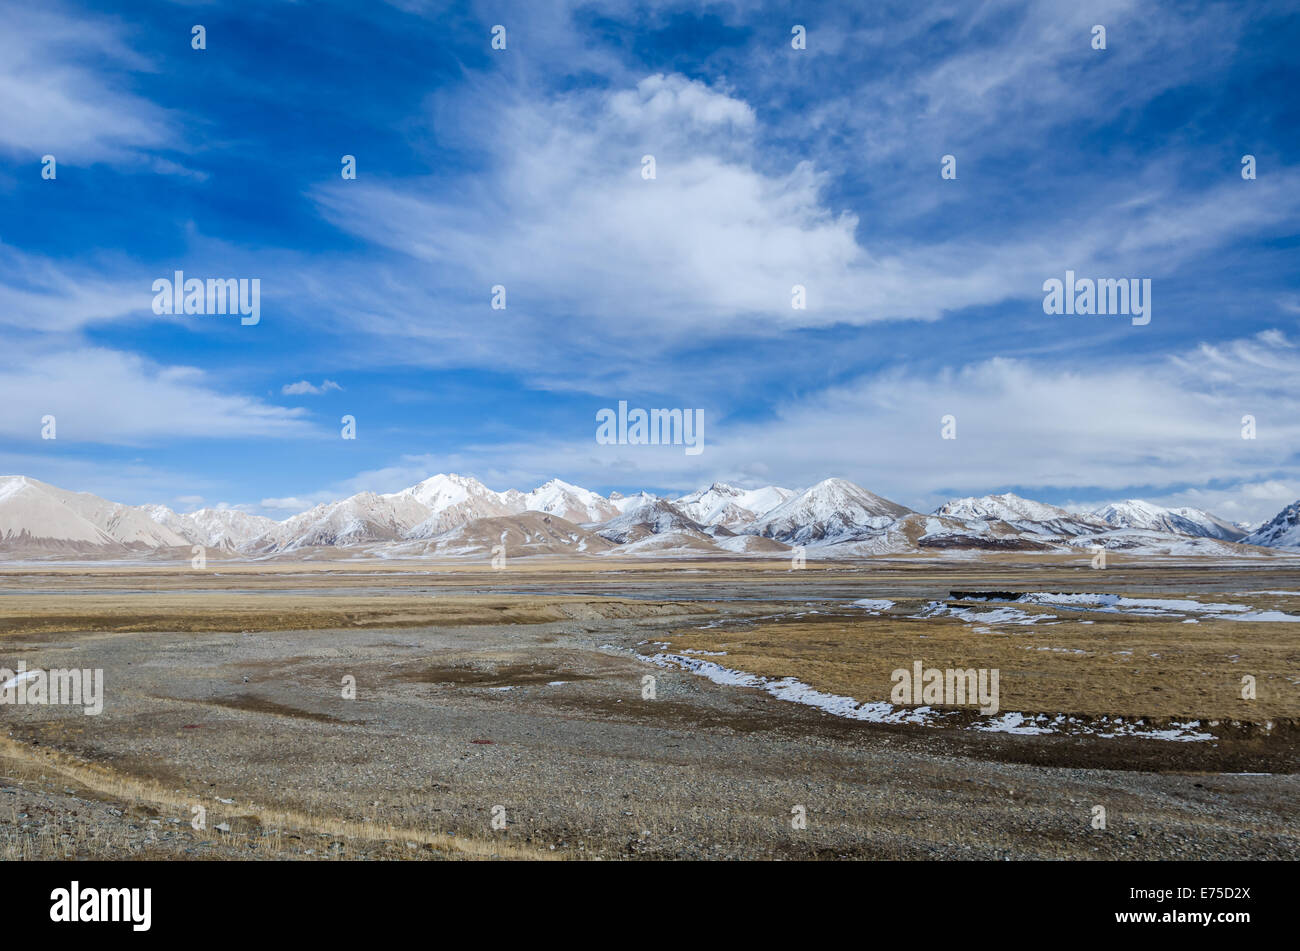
x=774 y=167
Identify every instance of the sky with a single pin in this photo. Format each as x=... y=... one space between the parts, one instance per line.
x=774 y=166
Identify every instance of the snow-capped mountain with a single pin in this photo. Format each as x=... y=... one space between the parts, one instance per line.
x=570 y=502
x=1211 y=525
x=440 y=504
x=1024 y=514
x=833 y=509
x=517 y=536
x=365 y=517
x=452 y=500
x=624 y=502
x=650 y=516
x=454 y=514
x=1135 y=513
x=729 y=505
x=915 y=532
x=1282 y=531
x=1009 y=507
x=230 y=529
x=36 y=515
x=171 y=521
x=32 y=515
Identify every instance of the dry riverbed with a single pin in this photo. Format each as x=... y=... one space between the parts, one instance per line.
x=520 y=698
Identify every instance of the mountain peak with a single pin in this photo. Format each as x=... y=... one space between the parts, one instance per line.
x=730 y=506
x=40 y=517
x=832 y=509
x=1007 y=507
x=835 y=482
x=1281 y=531
x=1142 y=515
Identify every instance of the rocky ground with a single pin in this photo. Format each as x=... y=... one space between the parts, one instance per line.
x=534 y=738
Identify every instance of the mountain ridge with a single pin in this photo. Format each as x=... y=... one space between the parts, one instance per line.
x=834 y=514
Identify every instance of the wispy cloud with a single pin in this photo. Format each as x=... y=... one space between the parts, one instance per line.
x=712 y=247
x=109 y=397
x=1149 y=424
x=774 y=168
x=63 y=90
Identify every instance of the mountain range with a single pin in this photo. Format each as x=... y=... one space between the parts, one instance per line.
x=458 y=515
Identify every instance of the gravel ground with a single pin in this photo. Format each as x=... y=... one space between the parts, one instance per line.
x=454 y=730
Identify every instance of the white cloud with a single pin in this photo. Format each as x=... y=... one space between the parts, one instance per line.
x=129 y=481
x=674 y=99
x=61 y=90
x=102 y=395
x=304 y=387
x=110 y=397
x=41 y=296
x=1052 y=427
x=569 y=222
x=1049 y=429
x=597 y=258
x=1246 y=502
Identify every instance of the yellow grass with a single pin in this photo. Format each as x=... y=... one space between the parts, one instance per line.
x=1170 y=669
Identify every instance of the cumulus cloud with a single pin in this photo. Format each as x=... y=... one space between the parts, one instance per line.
x=568 y=220
x=306 y=388
x=713 y=246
